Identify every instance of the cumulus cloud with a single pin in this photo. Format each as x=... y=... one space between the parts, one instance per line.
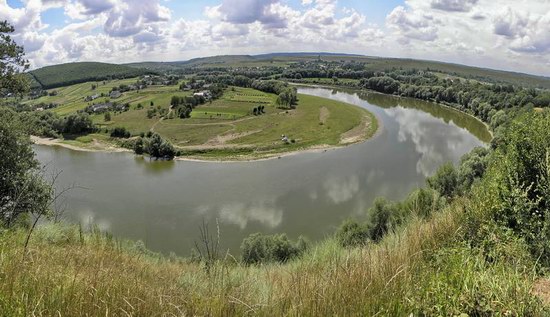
x=413 y=24
x=453 y=5
x=128 y=19
x=250 y=11
x=528 y=32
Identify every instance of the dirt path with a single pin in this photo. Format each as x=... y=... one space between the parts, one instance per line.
x=223 y=139
x=160 y=120
x=324 y=113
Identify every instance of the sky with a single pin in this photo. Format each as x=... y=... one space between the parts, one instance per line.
x=501 y=34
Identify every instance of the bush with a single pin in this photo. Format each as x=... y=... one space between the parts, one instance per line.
x=258 y=248
x=120 y=132
x=384 y=216
x=138 y=146
x=516 y=192
x=423 y=203
x=352 y=233
x=445 y=180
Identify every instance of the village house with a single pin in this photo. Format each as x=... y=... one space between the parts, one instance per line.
x=205 y=94
x=101 y=107
x=91 y=98
x=115 y=94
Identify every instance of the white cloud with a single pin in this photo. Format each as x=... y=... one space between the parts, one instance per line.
x=413 y=24
x=453 y=5
x=507 y=33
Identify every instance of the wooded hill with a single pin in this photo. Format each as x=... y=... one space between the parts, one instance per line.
x=74 y=73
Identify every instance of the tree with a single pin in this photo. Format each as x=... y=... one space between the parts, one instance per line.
x=138 y=146
x=22 y=189
x=107 y=116
x=287 y=97
x=12 y=63
x=78 y=123
x=157 y=147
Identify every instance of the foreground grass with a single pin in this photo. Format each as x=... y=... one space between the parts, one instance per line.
x=423 y=269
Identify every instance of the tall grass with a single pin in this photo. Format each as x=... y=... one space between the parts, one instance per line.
x=423 y=269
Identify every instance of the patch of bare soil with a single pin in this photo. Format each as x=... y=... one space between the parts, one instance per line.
x=324 y=113
x=223 y=139
x=356 y=134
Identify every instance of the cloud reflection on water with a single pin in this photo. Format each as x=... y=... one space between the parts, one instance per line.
x=435 y=142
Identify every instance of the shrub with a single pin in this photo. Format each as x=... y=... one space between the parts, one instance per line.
x=445 y=180
x=259 y=248
x=383 y=217
x=351 y=233
x=423 y=202
x=138 y=146
x=120 y=132
x=516 y=192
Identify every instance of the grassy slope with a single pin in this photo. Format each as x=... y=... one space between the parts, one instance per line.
x=71 y=98
x=420 y=269
x=73 y=73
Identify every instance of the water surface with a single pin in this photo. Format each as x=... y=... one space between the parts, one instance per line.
x=163 y=203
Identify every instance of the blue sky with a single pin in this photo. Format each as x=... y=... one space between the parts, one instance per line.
x=503 y=34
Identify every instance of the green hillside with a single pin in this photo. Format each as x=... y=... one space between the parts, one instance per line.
x=74 y=73
x=372 y=64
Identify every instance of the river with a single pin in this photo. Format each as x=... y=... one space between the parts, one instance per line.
x=310 y=194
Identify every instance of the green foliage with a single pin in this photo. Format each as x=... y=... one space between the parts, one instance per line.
x=74 y=73
x=120 y=132
x=78 y=123
x=139 y=146
x=155 y=146
x=472 y=168
x=423 y=202
x=287 y=95
x=384 y=216
x=42 y=123
x=516 y=193
x=352 y=234
x=12 y=63
x=445 y=180
x=258 y=248
x=22 y=189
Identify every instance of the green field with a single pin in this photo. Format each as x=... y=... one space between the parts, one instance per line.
x=72 y=98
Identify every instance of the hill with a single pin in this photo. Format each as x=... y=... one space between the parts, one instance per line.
x=372 y=64
x=74 y=73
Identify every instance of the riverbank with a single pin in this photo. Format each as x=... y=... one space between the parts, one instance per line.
x=346 y=88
